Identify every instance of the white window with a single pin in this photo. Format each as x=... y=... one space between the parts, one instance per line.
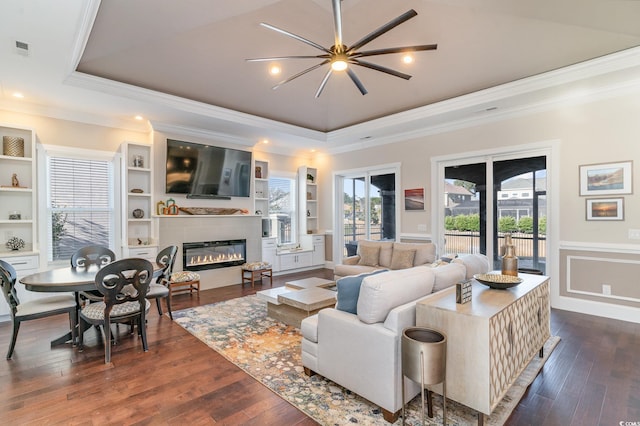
x=282 y=208
x=79 y=204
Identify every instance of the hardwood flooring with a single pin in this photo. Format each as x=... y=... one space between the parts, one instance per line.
x=592 y=377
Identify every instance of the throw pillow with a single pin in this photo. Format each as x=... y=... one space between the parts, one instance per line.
x=349 y=290
x=402 y=259
x=369 y=255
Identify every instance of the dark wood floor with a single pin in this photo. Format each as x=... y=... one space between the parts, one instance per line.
x=592 y=378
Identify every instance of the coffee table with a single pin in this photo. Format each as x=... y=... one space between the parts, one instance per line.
x=309 y=283
x=292 y=306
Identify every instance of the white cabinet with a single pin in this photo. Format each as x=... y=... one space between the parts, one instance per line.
x=301 y=259
x=18 y=195
x=314 y=243
x=318 y=250
x=308 y=200
x=144 y=252
x=269 y=253
x=24 y=265
x=139 y=228
x=261 y=188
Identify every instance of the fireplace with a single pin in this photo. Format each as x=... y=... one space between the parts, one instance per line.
x=197 y=256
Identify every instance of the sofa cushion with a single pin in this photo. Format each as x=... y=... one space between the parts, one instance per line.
x=386 y=248
x=349 y=290
x=380 y=293
x=369 y=256
x=474 y=263
x=425 y=252
x=448 y=275
x=402 y=259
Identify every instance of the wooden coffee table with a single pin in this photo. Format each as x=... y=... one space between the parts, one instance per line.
x=292 y=306
x=309 y=283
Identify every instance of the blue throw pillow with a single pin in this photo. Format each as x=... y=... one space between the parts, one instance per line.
x=349 y=290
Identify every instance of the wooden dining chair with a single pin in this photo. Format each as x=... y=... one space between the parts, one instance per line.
x=160 y=288
x=34 y=309
x=92 y=255
x=87 y=256
x=124 y=285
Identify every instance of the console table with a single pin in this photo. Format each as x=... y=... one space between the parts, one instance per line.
x=490 y=340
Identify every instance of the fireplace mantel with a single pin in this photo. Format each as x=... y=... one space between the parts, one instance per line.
x=175 y=230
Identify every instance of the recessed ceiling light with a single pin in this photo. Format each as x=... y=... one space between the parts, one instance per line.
x=313 y=150
x=407 y=59
x=275 y=69
x=139 y=117
x=265 y=141
x=18 y=95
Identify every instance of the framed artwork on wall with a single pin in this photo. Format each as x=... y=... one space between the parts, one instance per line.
x=606 y=179
x=414 y=199
x=605 y=208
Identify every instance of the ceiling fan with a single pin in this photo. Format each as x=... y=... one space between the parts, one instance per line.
x=340 y=57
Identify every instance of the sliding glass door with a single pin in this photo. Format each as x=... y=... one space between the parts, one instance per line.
x=487 y=199
x=366 y=208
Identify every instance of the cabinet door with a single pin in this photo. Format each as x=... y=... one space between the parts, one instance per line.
x=503 y=348
x=269 y=253
x=318 y=254
x=287 y=261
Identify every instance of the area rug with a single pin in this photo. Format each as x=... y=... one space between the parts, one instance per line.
x=269 y=351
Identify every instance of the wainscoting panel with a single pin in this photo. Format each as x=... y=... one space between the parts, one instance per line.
x=584 y=272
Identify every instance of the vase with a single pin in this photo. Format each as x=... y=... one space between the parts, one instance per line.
x=509 y=260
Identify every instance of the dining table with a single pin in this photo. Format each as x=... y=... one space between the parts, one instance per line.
x=68 y=279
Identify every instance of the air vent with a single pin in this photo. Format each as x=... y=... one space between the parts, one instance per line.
x=22 y=48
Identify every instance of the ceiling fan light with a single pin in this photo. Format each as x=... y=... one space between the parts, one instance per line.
x=339 y=65
x=407 y=59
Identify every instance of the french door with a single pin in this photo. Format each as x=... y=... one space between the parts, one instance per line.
x=366 y=208
x=484 y=198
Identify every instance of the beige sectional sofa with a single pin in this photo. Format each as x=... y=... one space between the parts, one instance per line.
x=361 y=351
x=374 y=255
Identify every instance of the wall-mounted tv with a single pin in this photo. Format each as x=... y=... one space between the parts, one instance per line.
x=207 y=171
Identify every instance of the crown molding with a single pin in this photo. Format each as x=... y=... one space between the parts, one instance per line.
x=61 y=113
x=152 y=97
x=470 y=105
x=200 y=133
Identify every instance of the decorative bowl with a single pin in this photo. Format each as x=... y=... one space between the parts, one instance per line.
x=498 y=281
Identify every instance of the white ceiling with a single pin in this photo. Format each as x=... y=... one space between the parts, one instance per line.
x=182 y=64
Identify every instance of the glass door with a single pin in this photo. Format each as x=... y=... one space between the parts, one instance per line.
x=367 y=207
x=487 y=199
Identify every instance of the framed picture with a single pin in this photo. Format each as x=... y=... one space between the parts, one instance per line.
x=414 y=199
x=605 y=208
x=606 y=179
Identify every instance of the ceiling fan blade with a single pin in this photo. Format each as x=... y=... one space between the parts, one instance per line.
x=383 y=29
x=300 y=73
x=294 y=36
x=357 y=81
x=404 y=49
x=381 y=69
x=324 y=82
x=337 y=20
x=283 y=58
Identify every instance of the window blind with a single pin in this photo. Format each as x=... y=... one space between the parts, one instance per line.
x=80 y=205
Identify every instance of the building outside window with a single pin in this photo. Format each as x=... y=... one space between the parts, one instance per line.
x=80 y=204
x=282 y=209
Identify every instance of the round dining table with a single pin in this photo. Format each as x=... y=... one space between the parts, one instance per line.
x=68 y=279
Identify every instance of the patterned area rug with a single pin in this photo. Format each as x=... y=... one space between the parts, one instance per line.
x=269 y=351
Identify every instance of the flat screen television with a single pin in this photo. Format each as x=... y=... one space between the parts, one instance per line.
x=206 y=171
